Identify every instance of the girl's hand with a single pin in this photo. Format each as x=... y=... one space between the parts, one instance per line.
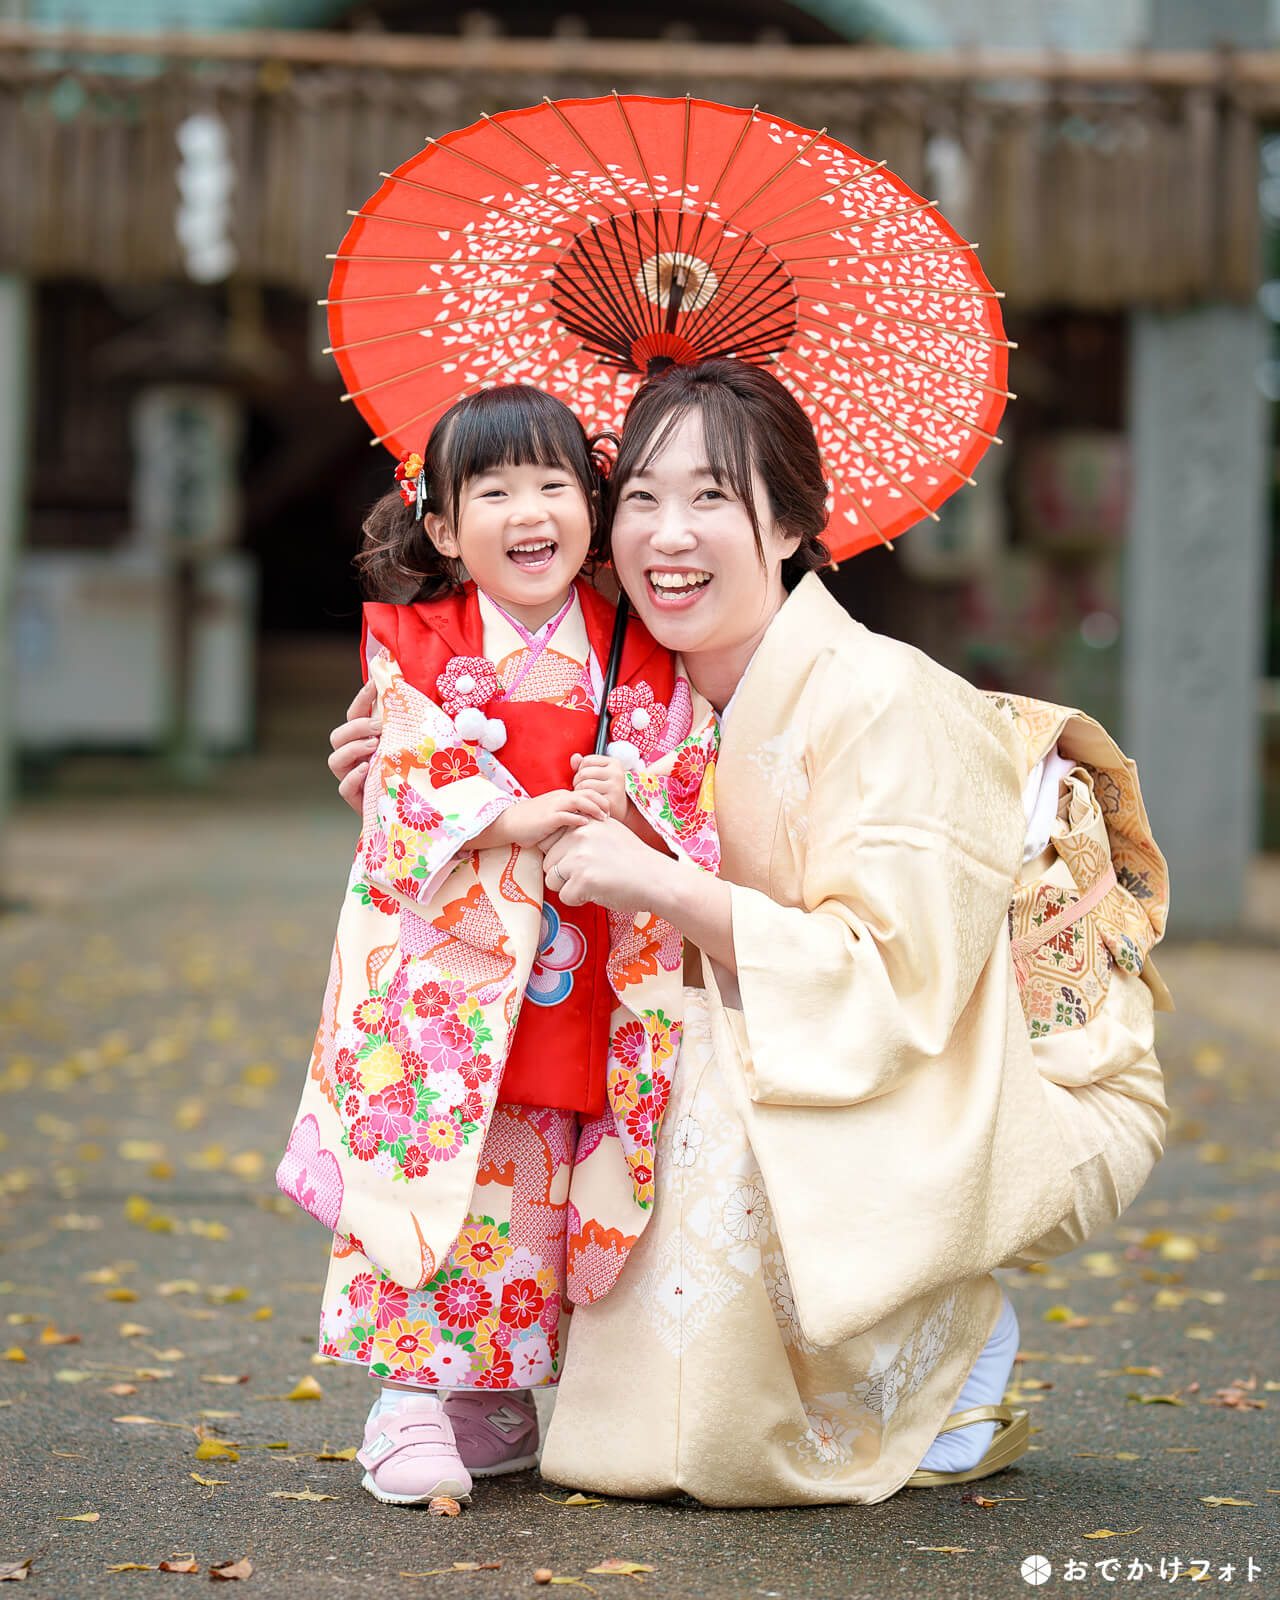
x=603 y=777
x=605 y=863
x=354 y=743
x=533 y=821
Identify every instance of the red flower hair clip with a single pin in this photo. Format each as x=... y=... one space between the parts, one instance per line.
x=411 y=476
x=635 y=734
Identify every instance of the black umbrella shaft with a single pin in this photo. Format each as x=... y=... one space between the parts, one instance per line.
x=611 y=672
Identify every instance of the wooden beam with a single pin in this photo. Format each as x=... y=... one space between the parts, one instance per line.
x=647 y=58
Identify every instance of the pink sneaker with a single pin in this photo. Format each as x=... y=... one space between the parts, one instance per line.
x=411 y=1455
x=497 y=1432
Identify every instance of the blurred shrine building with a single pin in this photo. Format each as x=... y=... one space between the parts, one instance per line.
x=183 y=492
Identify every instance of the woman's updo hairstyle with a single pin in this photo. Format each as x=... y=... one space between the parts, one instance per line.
x=748 y=417
x=512 y=425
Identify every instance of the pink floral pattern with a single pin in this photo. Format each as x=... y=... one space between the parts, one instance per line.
x=311 y=1176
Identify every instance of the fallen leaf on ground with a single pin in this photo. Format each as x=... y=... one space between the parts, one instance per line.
x=626 y=1569
x=349 y=1454
x=224 y=1377
x=1113 y=1533
x=15 y=1571
x=215 y=1450
x=133 y=1330
x=972 y=1498
x=178 y=1286
x=1238 y=1396
x=305 y=1389
x=1058 y=1314
x=1199 y=1333
x=1155 y=1399
x=72 y=1375
x=212 y=1483
x=50 y=1335
x=84 y=1516
x=120 y=1293
x=949 y=1549
x=68 y=1455
x=15 y=1352
x=232 y=1569
x=573 y=1500
x=263 y=1314
x=1182 y=1449
x=1223 y=1500
x=444 y=1506
x=131 y=1566
x=181 y=1563
x=310 y=1494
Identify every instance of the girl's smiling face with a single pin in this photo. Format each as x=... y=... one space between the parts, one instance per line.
x=523 y=532
x=685 y=551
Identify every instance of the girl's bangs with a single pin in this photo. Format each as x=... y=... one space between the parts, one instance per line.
x=513 y=427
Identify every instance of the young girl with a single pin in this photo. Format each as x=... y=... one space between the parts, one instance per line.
x=491 y=1068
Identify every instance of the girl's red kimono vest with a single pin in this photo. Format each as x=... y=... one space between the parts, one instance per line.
x=560 y=1043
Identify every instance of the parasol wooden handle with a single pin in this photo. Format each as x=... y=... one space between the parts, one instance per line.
x=611 y=672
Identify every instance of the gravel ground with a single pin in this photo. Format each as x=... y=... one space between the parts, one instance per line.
x=158 y=984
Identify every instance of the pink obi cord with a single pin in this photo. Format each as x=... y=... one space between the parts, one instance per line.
x=1024 y=949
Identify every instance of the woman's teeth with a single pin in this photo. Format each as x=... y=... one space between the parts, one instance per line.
x=678 y=582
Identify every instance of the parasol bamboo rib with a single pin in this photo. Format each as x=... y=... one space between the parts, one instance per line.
x=933 y=366
x=906 y=433
x=435 y=261
x=635 y=148
x=880 y=377
x=864 y=449
x=431 y=327
x=452 y=227
x=427 y=366
x=724 y=173
x=567 y=286
x=796 y=155
x=469 y=200
x=850 y=225
x=790 y=378
x=552 y=166
x=506 y=181
x=600 y=166
x=423 y=294
x=823 y=194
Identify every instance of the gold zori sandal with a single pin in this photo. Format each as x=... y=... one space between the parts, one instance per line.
x=1013 y=1434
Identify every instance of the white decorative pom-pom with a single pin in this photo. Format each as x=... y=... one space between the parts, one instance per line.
x=495 y=733
x=465 y=684
x=624 y=752
x=469 y=724
x=640 y=718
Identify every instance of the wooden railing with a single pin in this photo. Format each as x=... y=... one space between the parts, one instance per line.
x=1100 y=181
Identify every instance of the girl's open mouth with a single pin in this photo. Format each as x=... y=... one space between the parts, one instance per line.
x=534 y=555
x=675 y=589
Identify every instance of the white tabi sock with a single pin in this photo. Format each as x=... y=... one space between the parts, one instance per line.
x=389 y=1399
x=965 y=1447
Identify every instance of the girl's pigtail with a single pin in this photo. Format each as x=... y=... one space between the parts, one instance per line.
x=397 y=561
x=602 y=450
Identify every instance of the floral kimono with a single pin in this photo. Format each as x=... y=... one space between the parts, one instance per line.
x=474 y=1185
x=859 y=1129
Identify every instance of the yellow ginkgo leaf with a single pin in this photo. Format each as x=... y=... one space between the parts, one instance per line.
x=302 y=1494
x=211 y=1483
x=15 y=1352
x=306 y=1389
x=84 y=1516
x=215 y=1450
x=1223 y=1500
x=1113 y=1533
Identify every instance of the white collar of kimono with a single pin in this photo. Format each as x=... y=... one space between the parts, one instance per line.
x=536 y=641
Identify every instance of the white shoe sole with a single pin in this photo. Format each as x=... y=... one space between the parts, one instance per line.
x=450 y=1488
x=520 y=1464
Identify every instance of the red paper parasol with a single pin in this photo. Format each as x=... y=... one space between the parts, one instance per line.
x=579 y=245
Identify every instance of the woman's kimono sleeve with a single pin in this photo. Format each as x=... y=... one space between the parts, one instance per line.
x=907 y=848
x=427 y=794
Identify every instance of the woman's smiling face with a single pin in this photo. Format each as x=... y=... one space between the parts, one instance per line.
x=685 y=551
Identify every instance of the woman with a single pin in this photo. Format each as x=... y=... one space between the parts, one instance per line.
x=858 y=1129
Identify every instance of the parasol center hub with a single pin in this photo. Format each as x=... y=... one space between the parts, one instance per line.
x=679 y=278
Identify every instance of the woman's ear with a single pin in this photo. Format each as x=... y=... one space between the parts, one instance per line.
x=441 y=534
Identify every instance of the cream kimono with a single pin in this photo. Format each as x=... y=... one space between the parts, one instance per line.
x=857 y=1132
